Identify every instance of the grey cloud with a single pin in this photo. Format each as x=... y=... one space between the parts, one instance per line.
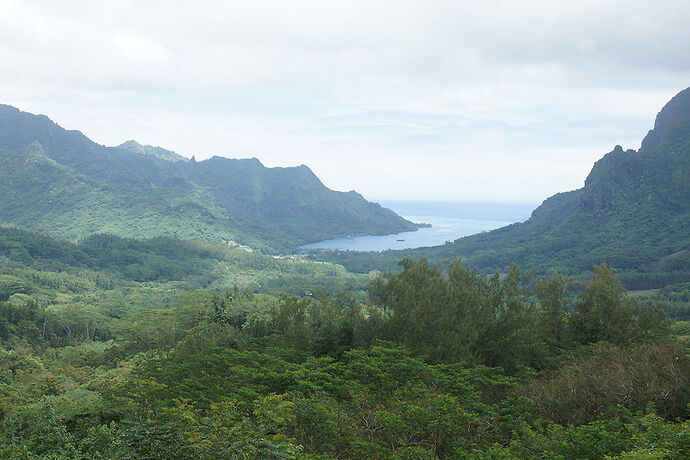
x=311 y=82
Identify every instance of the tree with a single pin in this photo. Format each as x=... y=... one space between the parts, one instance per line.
x=604 y=311
x=555 y=297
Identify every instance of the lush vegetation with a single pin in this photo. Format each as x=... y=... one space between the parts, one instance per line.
x=162 y=348
x=111 y=261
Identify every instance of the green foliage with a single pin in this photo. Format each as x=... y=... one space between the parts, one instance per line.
x=603 y=312
x=155 y=430
x=555 y=297
x=10 y=285
x=598 y=380
x=511 y=321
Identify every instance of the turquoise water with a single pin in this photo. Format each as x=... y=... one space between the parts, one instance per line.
x=449 y=221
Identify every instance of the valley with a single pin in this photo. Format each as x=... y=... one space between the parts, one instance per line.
x=157 y=307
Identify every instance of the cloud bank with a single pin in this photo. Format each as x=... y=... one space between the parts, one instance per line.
x=444 y=100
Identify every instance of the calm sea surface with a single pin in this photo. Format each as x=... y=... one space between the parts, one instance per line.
x=449 y=221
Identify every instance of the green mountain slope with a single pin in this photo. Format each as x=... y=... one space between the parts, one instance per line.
x=633 y=213
x=62 y=183
x=47 y=196
x=289 y=201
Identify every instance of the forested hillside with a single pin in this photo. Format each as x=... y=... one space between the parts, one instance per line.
x=61 y=183
x=633 y=214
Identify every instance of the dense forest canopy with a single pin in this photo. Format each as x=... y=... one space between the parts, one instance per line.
x=162 y=348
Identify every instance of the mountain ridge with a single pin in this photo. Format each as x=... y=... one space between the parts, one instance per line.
x=237 y=199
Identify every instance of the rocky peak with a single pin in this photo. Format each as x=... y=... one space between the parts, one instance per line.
x=676 y=110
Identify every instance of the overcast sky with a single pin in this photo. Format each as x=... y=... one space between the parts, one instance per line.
x=399 y=100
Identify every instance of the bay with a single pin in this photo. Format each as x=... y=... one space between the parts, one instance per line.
x=449 y=221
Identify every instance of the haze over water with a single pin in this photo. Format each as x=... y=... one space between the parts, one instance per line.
x=449 y=221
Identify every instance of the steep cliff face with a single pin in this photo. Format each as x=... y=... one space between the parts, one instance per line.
x=609 y=180
x=655 y=173
x=674 y=112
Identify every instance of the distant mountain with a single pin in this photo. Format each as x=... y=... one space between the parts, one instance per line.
x=62 y=183
x=633 y=213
